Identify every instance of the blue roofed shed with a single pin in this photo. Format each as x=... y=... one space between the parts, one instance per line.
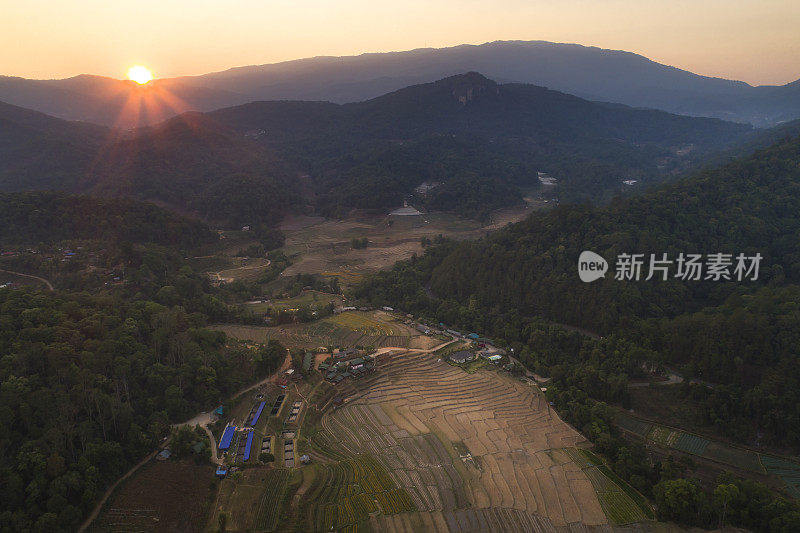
x=227 y=436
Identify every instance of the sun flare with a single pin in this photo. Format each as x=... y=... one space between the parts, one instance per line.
x=140 y=74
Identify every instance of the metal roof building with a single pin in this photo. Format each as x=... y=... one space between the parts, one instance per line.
x=248 y=445
x=462 y=357
x=227 y=436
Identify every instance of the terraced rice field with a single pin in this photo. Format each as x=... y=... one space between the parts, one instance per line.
x=730 y=455
x=346 y=493
x=313 y=299
x=406 y=417
x=620 y=502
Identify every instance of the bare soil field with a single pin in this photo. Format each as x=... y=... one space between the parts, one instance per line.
x=172 y=496
x=320 y=245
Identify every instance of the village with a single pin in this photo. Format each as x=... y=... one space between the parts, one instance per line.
x=264 y=425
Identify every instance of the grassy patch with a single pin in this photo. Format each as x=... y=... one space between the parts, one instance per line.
x=621 y=502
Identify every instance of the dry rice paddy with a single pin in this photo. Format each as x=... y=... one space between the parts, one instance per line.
x=407 y=415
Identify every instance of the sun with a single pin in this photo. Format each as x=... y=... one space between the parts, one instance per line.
x=140 y=74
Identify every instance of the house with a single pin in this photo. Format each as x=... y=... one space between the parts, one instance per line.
x=387 y=308
x=350 y=352
x=546 y=179
x=423 y=329
x=164 y=454
x=221 y=472
x=462 y=357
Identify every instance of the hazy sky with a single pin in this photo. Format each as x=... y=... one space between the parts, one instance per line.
x=757 y=41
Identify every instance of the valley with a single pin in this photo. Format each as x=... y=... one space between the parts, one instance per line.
x=340 y=294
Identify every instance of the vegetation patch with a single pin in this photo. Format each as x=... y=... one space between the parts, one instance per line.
x=621 y=502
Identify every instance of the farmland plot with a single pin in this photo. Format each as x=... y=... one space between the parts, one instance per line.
x=347 y=330
x=169 y=496
x=407 y=416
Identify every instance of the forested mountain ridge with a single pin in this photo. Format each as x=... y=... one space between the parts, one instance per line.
x=190 y=163
x=49 y=217
x=38 y=151
x=741 y=336
x=482 y=141
x=373 y=153
x=748 y=206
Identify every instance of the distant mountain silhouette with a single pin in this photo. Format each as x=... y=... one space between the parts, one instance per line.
x=112 y=102
x=588 y=72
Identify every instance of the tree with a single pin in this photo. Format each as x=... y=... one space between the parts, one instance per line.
x=679 y=499
x=723 y=495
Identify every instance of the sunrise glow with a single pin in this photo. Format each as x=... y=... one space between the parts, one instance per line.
x=140 y=74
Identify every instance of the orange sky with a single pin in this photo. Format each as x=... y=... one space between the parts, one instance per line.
x=754 y=41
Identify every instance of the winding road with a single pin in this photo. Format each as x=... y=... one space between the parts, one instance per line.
x=46 y=282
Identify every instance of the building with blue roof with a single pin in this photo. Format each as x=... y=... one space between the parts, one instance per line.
x=227 y=437
x=258 y=414
x=248 y=445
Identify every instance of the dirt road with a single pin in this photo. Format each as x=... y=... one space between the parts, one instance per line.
x=46 y=282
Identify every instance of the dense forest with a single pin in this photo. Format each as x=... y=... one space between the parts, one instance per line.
x=47 y=217
x=90 y=384
x=738 y=339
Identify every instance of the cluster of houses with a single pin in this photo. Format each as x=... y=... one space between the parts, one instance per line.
x=493 y=355
x=346 y=364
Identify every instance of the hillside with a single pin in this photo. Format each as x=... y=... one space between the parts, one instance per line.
x=372 y=154
x=47 y=217
x=38 y=151
x=190 y=163
x=736 y=334
x=483 y=142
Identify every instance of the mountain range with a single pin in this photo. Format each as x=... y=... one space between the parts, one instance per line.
x=484 y=143
x=588 y=72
